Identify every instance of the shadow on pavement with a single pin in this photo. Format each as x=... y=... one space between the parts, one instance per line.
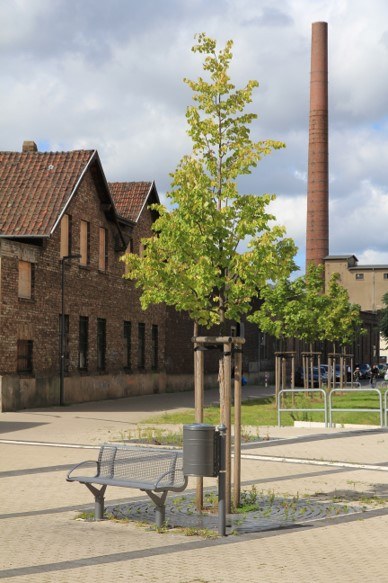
x=11 y=426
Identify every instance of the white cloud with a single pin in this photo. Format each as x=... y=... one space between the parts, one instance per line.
x=108 y=75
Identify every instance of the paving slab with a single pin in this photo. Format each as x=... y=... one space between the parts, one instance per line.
x=42 y=540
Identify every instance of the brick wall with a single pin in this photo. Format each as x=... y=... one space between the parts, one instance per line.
x=88 y=292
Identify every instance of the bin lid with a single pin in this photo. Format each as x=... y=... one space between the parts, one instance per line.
x=199 y=427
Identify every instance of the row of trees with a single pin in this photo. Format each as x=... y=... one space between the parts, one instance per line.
x=300 y=309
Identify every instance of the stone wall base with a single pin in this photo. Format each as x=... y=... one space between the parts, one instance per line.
x=17 y=393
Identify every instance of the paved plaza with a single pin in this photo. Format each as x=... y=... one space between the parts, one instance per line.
x=42 y=538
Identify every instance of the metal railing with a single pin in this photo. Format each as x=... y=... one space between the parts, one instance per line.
x=294 y=408
x=386 y=406
x=355 y=410
x=328 y=409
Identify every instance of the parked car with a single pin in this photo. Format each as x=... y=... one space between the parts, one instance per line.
x=299 y=376
x=337 y=372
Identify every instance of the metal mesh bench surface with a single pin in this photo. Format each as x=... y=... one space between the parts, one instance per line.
x=136 y=467
x=151 y=470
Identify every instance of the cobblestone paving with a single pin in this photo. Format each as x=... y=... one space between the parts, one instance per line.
x=271 y=513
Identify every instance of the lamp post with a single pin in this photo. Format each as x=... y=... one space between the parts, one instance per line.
x=62 y=339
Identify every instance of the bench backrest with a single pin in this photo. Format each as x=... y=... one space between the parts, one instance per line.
x=141 y=465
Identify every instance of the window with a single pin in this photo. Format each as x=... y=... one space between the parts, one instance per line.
x=66 y=347
x=83 y=343
x=128 y=250
x=141 y=346
x=24 y=355
x=359 y=276
x=103 y=250
x=84 y=245
x=155 y=347
x=385 y=275
x=65 y=244
x=101 y=343
x=127 y=346
x=25 y=280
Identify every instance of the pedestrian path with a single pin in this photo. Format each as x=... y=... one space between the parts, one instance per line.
x=42 y=540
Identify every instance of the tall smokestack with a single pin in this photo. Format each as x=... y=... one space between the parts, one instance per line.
x=317 y=233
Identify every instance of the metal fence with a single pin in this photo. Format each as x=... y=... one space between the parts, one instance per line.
x=294 y=408
x=357 y=410
x=328 y=408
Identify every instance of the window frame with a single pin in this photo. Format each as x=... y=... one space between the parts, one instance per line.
x=83 y=343
x=101 y=344
x=141 y=345
x=25 y=283
x=24 y=354
x=154 y=347
x=84 y=243
x=65 y=243
x=127 y=332
x=103 y=249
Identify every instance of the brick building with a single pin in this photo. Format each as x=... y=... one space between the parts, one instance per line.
x=59 y=204
x=53 y=205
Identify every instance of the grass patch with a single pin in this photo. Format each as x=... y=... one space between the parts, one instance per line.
x=263 y=412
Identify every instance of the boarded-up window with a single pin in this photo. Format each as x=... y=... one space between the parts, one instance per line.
x=25 y=279
x=85 y=243
x=103 y=250
x=65 y=236
x=24 y=355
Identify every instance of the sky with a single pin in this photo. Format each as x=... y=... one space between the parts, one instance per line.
x=108 y=75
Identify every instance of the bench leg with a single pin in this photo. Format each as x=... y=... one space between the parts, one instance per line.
x=160 y=508
x=98 y=501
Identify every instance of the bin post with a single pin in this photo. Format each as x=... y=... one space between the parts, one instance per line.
x=222 y=481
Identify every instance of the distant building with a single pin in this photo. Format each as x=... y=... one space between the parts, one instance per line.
x=366 y=285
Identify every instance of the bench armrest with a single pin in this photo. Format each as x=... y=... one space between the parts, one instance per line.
x=95 y=464
x=172 y=481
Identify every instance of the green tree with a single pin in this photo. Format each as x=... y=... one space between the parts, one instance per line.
x=342 y=321
x=194 y=261
x=301 y=309
x=294 y=309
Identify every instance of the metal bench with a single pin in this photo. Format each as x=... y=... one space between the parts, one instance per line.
x=154 y=471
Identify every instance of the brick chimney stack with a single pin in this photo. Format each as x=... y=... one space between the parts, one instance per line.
x=29 y=146
x=317 y=232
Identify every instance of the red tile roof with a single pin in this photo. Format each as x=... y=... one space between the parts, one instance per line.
x=130 y=197
x=35 y=188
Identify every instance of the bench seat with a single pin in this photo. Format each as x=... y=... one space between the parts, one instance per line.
x=148 y=469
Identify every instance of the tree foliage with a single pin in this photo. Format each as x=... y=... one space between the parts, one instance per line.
x=194 y=260
x=300 y=309
x=342 y=322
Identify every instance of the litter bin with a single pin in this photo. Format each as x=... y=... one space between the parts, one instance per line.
x=200 y=450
